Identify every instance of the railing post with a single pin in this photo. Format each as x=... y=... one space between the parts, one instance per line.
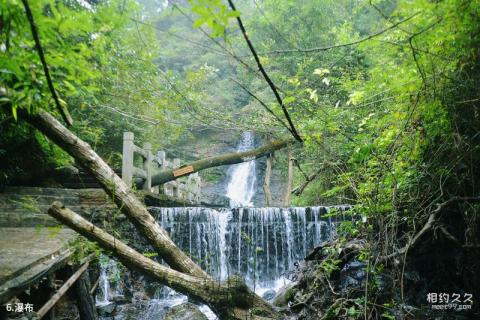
x=127 y=158
x=147 y=166
x=161 y=158
x=189 y=189
x=176 y=185
x=198 y=185
x=162 y=161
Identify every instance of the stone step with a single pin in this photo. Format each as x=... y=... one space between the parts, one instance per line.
x=27 y=206
x=84 y=195
x=42 y=209
x=43 y=204
x=15 y=200
x=81 y=185
x=32 y=191
x=26 y=219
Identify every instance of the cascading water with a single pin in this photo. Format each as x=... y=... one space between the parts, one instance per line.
x=108 y=288
x=241 y=187
x=262 y=244
x=104 y=285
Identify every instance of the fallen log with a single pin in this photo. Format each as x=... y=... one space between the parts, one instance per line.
x=231 y=299
x=210 y=162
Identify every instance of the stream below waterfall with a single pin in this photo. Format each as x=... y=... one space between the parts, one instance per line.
x=263 y=245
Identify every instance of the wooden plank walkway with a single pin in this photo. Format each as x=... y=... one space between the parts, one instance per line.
x=28 y=254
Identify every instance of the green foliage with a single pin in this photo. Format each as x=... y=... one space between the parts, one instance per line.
x=150 y=254
x=102 y=65
x=82 y=248
x=328 y=266
x=214 y=14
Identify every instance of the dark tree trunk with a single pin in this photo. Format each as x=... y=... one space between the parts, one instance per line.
x=85 y=302
x=122 y=195
x=288 y=191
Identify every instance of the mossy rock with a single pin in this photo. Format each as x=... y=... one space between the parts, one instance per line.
x=184 y=311
x=285 y=295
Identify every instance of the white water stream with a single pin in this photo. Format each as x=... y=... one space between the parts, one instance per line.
x=241 y=187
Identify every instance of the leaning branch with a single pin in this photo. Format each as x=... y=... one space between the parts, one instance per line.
x=127 y=255
x=265 y=75
x=61 y=108
x=264 y=105
x=432 y=220
x=224 y=159
x=61 y=292
x=298 y=190
x=348 y=44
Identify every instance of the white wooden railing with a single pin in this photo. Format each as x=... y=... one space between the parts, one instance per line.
x=188 y=189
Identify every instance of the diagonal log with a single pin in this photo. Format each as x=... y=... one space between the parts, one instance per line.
x=224 y=159
x=231 y=299
x=122 y=195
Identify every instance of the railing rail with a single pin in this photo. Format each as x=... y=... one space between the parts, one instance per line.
x=188 y=188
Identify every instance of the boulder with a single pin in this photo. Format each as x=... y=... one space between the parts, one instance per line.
x=120 y=299
x=184 y=311
x=352 y=275
x=285 y=295
x=106 y=309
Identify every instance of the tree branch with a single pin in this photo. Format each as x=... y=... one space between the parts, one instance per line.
x=227 y=299
x=348 y=44
x=265 y=75
x=122 y=195
x=263 y=104
x=432 y=219
x=61 y=108
x=299 y=189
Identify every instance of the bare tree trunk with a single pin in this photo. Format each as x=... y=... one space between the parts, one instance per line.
x=231 y=299
x=224 y=159
x=266 y=181
x=288 y=191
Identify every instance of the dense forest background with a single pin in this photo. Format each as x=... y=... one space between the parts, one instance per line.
x=384 y=95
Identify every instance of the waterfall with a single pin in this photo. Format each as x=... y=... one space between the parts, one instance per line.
x=241 y=187
x=108 y=288
x=104 y=285
x=262 y=244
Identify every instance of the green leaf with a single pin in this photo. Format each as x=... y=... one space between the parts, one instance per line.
x=14 y=112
